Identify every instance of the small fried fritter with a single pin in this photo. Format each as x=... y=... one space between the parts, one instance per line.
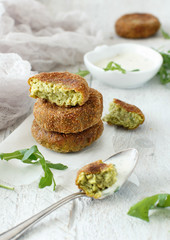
x=96 y=177
x=72 y=142
x=62 y=88
x=124 y=114
x=137 y=25
x=69 y=120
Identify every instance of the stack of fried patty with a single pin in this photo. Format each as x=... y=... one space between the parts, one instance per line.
x=67 y=112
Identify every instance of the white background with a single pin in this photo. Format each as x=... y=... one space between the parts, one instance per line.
x=106 y=12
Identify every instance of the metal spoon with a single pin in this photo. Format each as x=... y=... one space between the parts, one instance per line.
x=124 y=161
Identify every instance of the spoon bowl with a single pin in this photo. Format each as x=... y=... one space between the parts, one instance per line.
x=124 y=161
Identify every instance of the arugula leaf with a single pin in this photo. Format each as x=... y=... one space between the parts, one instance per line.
x=29 y=152
x=83 y=73
x=57 y=166
x=135 y=70
x=165 y=34
x=141 y=209
x=164 y=71
x=6 y=187
x=9 y=156
x=33 y=156
x=48 y=177
x=111 y=66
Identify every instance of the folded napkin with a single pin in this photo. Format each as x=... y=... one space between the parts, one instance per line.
x=27 y=28
x=14 y=94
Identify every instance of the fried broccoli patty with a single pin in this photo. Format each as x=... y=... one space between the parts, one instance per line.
x=69 y=120
x=62 y=88
x=72 y=142
x=137 y=25
x=96 y=177
x=124 y=114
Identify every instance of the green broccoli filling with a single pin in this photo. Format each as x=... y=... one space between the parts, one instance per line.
x=119 y=116
x=55 y=93
x=94 y=184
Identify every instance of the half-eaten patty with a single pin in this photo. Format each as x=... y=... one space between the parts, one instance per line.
x=62 y=88
x=124 y=114
x=96 y=177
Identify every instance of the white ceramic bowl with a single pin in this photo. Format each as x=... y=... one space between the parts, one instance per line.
x=116 y=78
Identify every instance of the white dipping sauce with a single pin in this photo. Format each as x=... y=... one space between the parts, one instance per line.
x=128 y=61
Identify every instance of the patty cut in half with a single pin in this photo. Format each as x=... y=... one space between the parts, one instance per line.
x=137 y=25
x=61 y=88
x=72 y=142
x=69 y=120
x=96 y=177
x=124 y=114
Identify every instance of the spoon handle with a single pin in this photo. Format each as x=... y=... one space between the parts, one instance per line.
x=18 y=230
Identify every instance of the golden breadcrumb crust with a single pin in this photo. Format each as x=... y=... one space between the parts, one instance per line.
x=93 y=168
x=61 y=142
x=129 y=107
x=68 y=80
x=137 y=25
x=69 y=120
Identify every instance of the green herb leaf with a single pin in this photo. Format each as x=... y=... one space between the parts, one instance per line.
x=165 y=34
x=135 y=70
x=112 y=66
x=29 y=152
x=57 y=166
x=33 y=156
x=9 y=156
x=6 y=187
x=83 y=73
x=109 y=66
x=117 y=189
x=141 y=209
x=164 y=71
x=48 y=177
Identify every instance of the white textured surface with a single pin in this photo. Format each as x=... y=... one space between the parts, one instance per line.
x=105 y=13
x=107 y=219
